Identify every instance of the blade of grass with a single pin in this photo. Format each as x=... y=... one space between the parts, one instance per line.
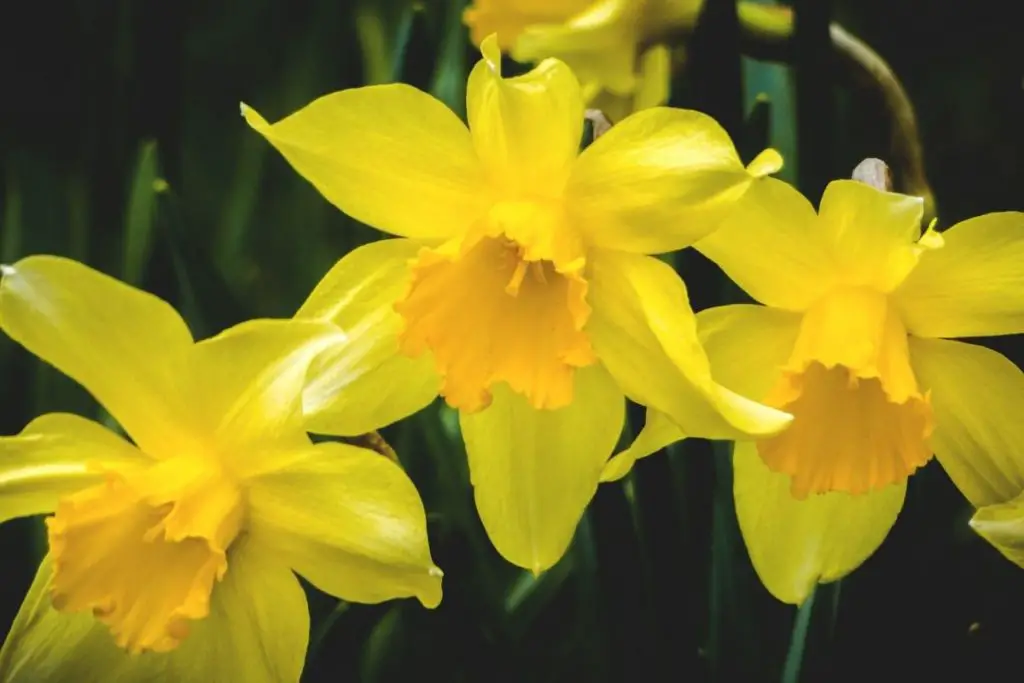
x=140 y=213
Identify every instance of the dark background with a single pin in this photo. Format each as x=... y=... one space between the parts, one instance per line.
x=98 y=99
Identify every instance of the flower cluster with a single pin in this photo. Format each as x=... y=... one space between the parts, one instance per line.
x=522 y=286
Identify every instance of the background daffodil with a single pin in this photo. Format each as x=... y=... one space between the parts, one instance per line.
x=852 y=339
x=182 y=543
x=605 y=42
x=522 y=288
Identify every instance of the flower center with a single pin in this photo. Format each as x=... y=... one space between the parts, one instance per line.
x=499 y=309
x=859 y=421
x=144 y=550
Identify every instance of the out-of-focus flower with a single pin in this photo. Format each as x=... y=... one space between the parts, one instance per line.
x=609 y=44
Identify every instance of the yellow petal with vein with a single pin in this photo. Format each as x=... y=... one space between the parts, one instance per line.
x=248 y=383
x=657 y=181
x=527 y=129
x=350 y=521
x=534 y=471
x=390 y=156
x=768 y=246
x=795 y=544
x=974 y=285
x=56 y=455
x=644 y=332
x=979 y=436
x=658 y=432
x=364 y=383
x=126 y=347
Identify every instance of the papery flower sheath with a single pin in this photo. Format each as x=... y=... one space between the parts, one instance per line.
x=607 y=43
x=521 y=290
x=853 y=340
x=173 y=556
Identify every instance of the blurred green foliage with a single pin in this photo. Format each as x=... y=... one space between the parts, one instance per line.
x=121 y=146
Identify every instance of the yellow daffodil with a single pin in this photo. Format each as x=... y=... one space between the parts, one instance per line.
x=521 y=289
x=181 y=544
x=607 y=43
x=852 y=339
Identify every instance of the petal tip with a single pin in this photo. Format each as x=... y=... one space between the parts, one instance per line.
x=491 y=51
x=252 y=117
x=6 y=270
x=430 y=597
x=766 y=163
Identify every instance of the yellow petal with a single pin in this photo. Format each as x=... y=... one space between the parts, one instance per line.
x=526 y=130
x=659 y=431
x=390 y=156
x=797 y=544
x=257 y=632
x=655 y=78
x=658 y=181
x=769 y=247
x=599 y=43
x=979 y=436
x=644 y=332
x=508 y=19
x=974 y=285
x=55 y=455
x=249 y=382
x=1002 y=525
x=745 y=345
x=364 y=383
x=748 y=345
x=125 y=346
x=535 y=471
x=872 y=234
x=350 y=521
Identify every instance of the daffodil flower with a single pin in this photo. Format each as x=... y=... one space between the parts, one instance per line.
x=183 y=543
x=521 y=289
x=853 y=340
x=605 y=42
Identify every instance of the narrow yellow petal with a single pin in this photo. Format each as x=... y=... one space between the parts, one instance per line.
x=526 y=130
x=974 y=285
x=659 y=431
x=872 y=234
x=1002 y=525
x=535 y=471
x=655 y=78
x=795 y=544
x=644 y=332
x=126 y=347
x=768 y=246
x=657 y=181
x=979 y=436
x=55 y=455
x=257 y=631
x=348 y=520
x=249 y=382
x=364 y=382
x=390 y=156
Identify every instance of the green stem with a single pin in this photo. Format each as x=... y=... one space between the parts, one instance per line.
x=797 y=644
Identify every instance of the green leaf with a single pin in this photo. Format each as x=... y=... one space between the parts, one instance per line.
x=140 y=214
